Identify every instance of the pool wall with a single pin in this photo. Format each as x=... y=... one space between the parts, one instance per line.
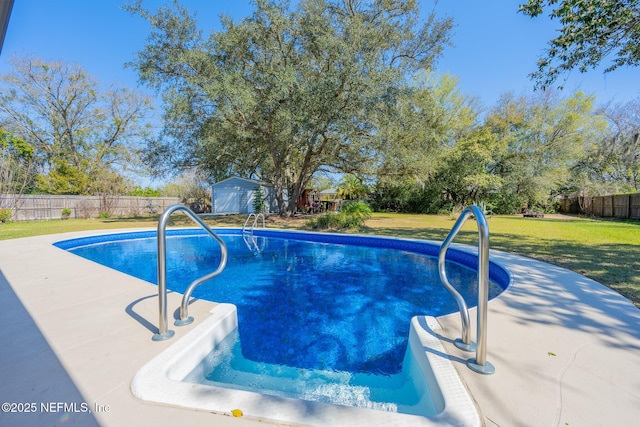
x=160 y=381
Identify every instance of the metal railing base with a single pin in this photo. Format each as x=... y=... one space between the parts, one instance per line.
x=183 y=322
x=486 y=369
x=471 y=347
x=164 y=336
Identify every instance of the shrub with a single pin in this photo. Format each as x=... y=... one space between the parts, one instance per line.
x=5 y=215
x=352 y=215
x=144 y=192
x=357 y=209
x=66 y=213
x=259 y=202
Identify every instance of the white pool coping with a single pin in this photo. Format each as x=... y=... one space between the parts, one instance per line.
x=565 y=348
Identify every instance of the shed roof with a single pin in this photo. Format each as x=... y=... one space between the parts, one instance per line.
x=235 y=178
x=329 y=191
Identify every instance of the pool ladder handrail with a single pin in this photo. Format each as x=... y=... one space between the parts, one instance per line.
x=163 y=331
x=479 y=364
x=255 y=221
x=247 y=234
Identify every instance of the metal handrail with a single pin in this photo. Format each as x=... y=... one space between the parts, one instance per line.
x=163 y=330
x=479 y=364
x=244 y=227
x=255 y=221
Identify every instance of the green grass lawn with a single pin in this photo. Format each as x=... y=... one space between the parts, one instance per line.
x=606 y=251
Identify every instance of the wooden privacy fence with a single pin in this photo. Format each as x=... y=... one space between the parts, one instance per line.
x=32 y=207
x=624 y=206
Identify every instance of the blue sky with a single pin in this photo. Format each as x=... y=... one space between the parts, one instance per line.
x=495 y=47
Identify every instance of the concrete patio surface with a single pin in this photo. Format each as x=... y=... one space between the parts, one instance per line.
x=566 y=349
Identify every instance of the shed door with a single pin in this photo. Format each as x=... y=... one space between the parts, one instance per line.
x=226 y=201
x=251 y=194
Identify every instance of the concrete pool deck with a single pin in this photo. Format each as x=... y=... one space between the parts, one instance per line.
x=566 y=349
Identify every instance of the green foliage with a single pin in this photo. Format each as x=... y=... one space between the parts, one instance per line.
x=410 y=197
x=16 y=164
x=10 y=144
x=464 y=176
x=63 y=178
x=5 y=215
x=357 y=209
x=591 y=30
x=612 y=164
x=351 y=188
x=539 y=140
x=76 y=134
x=104 y=215
x=286 y=91
x=144 y=192
x=519 y=158
x=391 y=197
x=426 y=120
x=259 y=202
x=321 y=182
x=351 y=216
x=66 y=213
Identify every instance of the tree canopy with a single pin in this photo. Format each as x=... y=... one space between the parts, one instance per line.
x=592 y=30
x=612 y=164
x=521 y=155
x=542 y=136
x=285 y=92
x=82 y=137
x=16 y=164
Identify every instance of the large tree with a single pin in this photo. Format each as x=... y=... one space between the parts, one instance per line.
x=426 y=122
x=16 y=168
x=285 y=92
x=591 y=31
x=541 y=138
x=465 y=174
x=612 y=165
x=82 y=136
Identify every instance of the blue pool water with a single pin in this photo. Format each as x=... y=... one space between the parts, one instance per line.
x=306 y=302
x=405 y=391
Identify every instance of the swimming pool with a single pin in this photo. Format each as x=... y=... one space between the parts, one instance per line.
x=309 y=280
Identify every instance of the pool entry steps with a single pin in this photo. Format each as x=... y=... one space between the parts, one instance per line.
x=479 y=364
x=163 y=331
x=439 y=383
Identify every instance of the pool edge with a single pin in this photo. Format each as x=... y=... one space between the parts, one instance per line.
x=159 y=382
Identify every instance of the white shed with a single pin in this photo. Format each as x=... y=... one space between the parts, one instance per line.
x=237 y=195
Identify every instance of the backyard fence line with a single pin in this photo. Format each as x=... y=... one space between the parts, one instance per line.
x=623 y=206
x=31 y=207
